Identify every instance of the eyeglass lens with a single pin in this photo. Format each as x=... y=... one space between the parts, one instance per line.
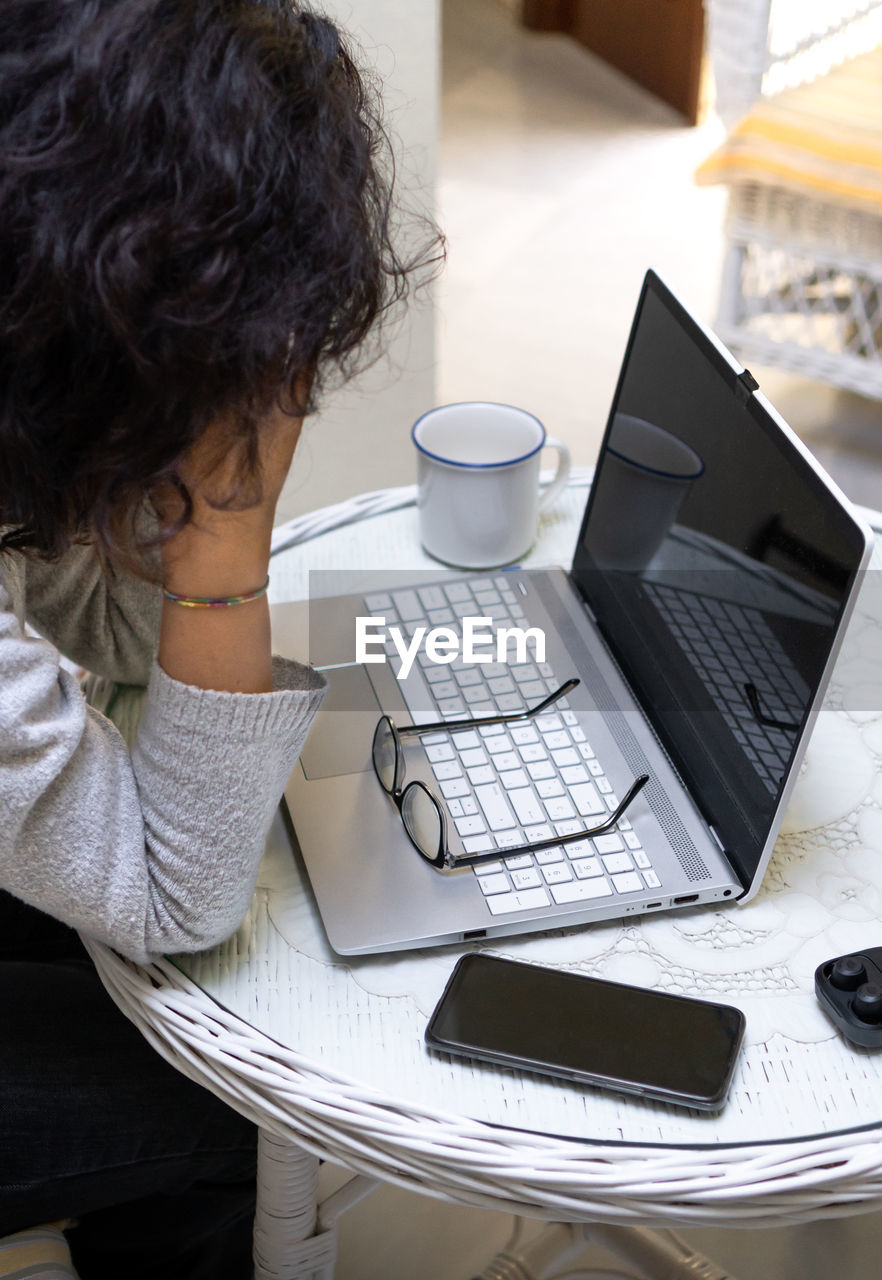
x=385 y=754
x=422 y=821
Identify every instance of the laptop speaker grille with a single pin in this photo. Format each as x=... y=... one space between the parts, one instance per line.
x=687 y=855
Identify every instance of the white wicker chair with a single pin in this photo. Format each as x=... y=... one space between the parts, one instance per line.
x=802 y=281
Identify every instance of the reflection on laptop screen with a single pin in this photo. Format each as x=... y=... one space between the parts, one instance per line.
x=717 y=564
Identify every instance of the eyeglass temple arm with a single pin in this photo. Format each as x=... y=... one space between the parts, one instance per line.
x=766 y=721
x=467 y=860
x=624 y=804
x=451 y=725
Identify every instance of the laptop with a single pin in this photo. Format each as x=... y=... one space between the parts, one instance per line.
x=714 y=574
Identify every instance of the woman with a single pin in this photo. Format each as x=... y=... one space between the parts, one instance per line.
x=194 y=232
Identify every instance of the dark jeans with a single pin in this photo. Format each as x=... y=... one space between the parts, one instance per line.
x=94 y=1125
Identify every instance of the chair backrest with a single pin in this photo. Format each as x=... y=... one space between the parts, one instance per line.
x=760 y=47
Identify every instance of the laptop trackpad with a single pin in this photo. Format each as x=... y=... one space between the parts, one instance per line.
x=340 y=739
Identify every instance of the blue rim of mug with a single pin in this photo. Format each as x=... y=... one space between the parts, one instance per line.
x=477 y=466
x=656 y=471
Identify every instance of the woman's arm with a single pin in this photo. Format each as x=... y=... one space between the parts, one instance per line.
x=108 y=621
x=158 y=850
x=222 y=553
x=153 y=851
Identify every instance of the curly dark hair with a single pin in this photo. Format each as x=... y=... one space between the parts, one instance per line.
x=195 y=206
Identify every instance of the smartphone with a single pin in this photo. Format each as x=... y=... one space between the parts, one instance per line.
x=671 y=1048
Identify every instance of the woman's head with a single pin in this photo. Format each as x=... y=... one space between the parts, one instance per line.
x=194 y=221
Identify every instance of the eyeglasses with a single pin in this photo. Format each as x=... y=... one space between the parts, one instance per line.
x=422 y=812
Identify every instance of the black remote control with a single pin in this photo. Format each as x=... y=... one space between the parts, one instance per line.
x=849 y=989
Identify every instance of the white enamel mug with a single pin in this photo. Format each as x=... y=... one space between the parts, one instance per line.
x=479 y=494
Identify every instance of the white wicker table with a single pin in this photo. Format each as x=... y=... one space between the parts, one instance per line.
x=325 y=1053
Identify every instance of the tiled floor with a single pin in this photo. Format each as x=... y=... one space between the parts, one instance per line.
x=560 y=182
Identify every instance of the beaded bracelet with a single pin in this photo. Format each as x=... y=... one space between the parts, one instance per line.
x=214 y=602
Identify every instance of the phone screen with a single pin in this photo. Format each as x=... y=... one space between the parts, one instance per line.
x=668 y=1047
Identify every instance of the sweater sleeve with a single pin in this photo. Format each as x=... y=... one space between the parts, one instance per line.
x=151 y=851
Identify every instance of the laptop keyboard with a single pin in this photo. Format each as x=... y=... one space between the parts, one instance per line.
x=731 y=647
x=507 y=785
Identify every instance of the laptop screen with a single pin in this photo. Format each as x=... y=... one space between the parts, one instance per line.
x=717 y=563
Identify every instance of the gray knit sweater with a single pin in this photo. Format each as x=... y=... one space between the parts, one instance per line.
x=150 y=850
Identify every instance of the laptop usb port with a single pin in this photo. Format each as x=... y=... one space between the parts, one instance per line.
x=471 y=934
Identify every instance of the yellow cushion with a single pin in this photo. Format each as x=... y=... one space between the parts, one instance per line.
x=824 y=138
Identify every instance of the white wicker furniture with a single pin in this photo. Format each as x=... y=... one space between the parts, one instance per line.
x=760 y=47
x=802 y=287
x=326 y=1055
x=802 y=280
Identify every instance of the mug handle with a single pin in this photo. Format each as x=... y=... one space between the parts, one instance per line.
x=549 y=492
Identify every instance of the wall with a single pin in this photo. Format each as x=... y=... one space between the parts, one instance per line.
x=360 y=439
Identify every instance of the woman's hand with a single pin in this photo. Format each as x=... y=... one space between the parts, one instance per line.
x=224 y=531
x=224 y=551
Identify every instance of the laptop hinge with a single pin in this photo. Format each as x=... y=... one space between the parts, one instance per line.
x=745 y=385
